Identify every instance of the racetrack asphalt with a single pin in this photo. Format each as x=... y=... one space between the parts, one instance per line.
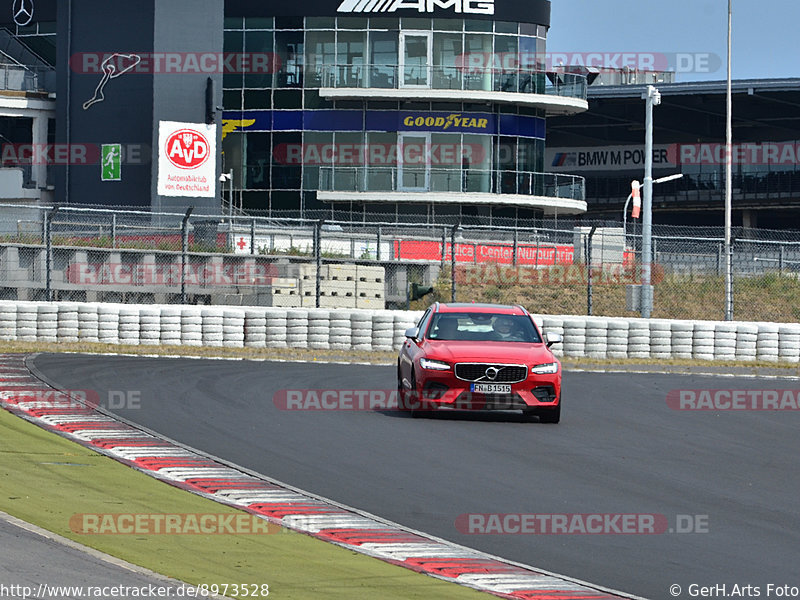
x=34 y=559
x=619 y=449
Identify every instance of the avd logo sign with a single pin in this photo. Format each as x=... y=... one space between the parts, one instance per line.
x=187 y=149
x=187 y=159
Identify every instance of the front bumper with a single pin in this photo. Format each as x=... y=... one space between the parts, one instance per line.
x=444 y=390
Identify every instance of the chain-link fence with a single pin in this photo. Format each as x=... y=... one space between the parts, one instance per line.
x=549 y=267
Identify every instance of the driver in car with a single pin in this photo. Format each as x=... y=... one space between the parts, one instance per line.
x=505 y=330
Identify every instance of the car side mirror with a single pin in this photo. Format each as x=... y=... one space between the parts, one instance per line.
x=553 y=338
x=412 y=332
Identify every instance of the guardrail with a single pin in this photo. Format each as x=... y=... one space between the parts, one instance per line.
x=381 y=331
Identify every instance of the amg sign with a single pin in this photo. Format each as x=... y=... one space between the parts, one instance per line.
x=476 y=7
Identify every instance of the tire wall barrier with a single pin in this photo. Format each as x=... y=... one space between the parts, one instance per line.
x=380 y=330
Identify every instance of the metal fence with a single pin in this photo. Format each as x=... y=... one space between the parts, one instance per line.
x=549 y=267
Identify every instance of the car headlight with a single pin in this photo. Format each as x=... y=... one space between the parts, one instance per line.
x=545 y=369
x=433 y=365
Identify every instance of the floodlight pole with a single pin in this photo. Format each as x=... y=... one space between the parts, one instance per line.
x=729 y=178
x=653 y=98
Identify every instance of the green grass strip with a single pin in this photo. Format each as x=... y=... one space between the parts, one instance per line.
x=46 y=479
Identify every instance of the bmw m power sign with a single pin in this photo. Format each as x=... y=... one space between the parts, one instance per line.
x=186 y=159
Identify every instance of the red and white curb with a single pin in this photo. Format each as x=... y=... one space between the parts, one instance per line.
x=21 y=393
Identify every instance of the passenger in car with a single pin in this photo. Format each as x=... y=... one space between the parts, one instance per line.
x=447 y=329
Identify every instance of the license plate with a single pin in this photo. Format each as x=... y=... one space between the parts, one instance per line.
x=491 y=388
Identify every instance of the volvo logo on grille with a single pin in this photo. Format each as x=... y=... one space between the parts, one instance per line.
x=491 y=373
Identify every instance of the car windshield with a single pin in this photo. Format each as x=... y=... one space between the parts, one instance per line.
x=483 y=327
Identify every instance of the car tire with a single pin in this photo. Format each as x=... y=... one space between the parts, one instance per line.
x=405 y=398
x=402 y=405
x=413 y=405
x=550 y=415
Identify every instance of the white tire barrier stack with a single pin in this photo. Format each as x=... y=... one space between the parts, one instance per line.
x=68 y=324
x=746 y=340
x=319 y=329
x=233 y=328
x=108 y=324
x=27 y=322
x=255 y=328
x=402 y=323
x=618 y=330
x=767 y=343
x=212 y=327
x=596 y=338
x=383 y=332
x=639 y=339
x=88 y=320
x=47 y=327
x=725 y=341
x=361 y=330
x=682 y=333
x=340 y=334
x=297 y=328
x=574 y=337
x=789 y=343
x=129 y=325
x=703 y=341
x=8 y=322
x=660 y=339
x=150 y=326
x=191 y=327
x=554 y=325
x=171 y=326
x=276 y=328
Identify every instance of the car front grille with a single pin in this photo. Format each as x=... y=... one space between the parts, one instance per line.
x=470 y=401
x=477 y=372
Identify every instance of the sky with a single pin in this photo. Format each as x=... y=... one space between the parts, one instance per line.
x=691 y=34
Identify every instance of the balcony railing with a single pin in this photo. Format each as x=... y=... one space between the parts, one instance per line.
x=417 y=179
x=394 y=77
x=20 y=78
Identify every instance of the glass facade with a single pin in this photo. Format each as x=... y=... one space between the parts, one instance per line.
x=287 y=140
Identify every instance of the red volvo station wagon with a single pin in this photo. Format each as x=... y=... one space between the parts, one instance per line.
x=479 y=357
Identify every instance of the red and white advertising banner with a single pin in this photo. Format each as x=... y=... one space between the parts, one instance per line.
x=187 y=160
x=485 y=253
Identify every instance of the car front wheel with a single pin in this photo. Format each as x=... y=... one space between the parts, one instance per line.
x=550 y=415
x=545 y=415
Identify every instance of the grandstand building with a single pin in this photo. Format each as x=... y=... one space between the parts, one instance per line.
x=382 y=110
